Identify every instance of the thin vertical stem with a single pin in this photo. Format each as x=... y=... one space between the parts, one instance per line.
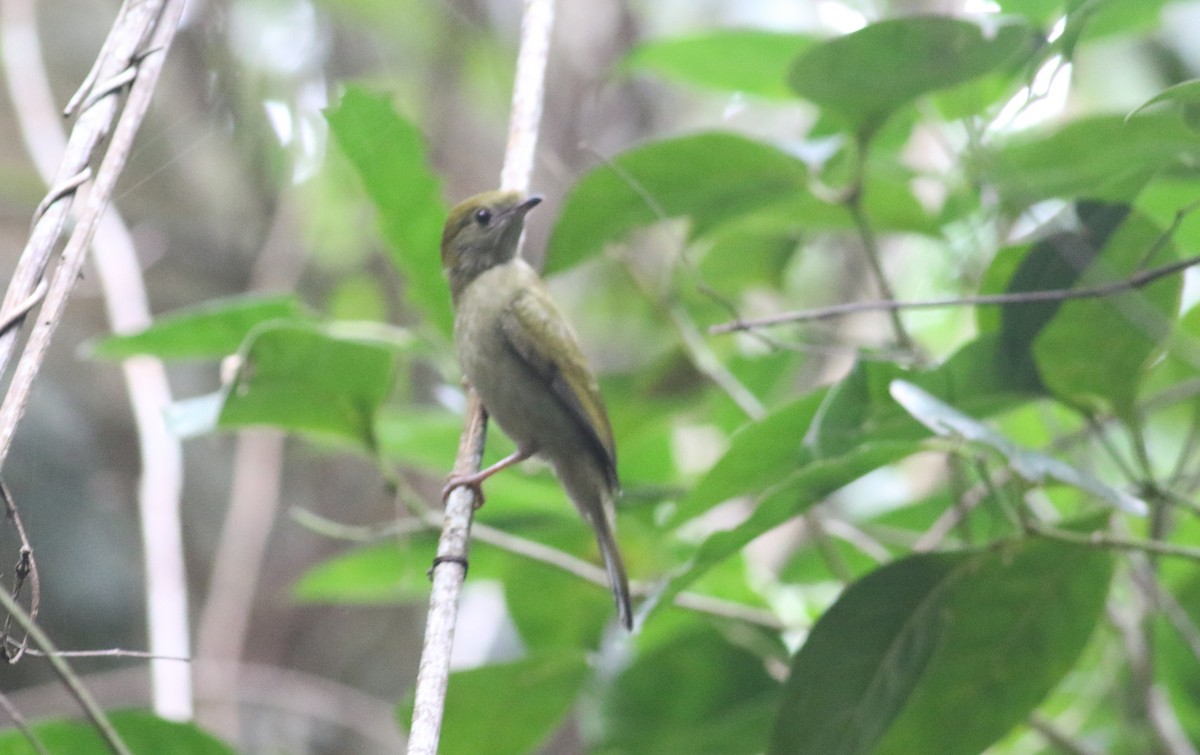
x=450 y=567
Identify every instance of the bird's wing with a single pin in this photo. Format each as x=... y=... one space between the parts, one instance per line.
x=555 y=357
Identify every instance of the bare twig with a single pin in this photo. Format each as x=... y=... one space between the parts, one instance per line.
x=1057 y=738
x=125 y=298
x=1114 y=542
x=137 y=22
x=18 y=720
x=26 y=567
x=540 y=552
x=253 y=507
x=104 y=653
x=66 y=675
x=1135 y=281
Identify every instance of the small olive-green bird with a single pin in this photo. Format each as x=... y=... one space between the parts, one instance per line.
x=523 y=359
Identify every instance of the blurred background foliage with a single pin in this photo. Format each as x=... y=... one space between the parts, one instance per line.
x=940 y=530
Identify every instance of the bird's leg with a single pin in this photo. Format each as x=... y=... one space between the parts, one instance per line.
x=475 y=481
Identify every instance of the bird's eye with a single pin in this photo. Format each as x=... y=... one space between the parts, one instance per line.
x=483 y=216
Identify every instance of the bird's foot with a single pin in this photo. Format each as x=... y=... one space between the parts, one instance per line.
x=472 y=481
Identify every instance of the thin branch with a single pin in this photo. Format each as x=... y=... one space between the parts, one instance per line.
x=138 y=42
x=871 y=250
x=1114 y=542
x=26 y=566
x=450 y=566
x=106 y=653
x=18 y=720
x=1135 y=281
x=119 y=274
x=448 y=573
x=1058 y=739
x=698 y=351
x=431 y=520
x=68 y=677
x=241 y=550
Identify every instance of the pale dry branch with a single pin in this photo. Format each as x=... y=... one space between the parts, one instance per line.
x=126 y=302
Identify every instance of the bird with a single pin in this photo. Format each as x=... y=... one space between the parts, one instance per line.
x=523 y=359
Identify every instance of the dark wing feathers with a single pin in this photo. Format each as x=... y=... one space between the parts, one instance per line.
x=558 y=360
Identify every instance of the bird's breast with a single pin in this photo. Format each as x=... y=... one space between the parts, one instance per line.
x=516 y=397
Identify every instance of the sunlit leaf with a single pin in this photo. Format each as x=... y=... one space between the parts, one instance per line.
x=736 y=60
x=389 y=154
x=311 y=378
x=1033 y=466
x=709 y=178
x=867 y=75
x=210 y=331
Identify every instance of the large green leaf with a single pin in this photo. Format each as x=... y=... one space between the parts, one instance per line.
x=1103 y=157
x=710 y=177
x=942 y=652
x=509 y=707
x=737 y=60
x=144 y=733
x=389 y=154
x=1055 y=262
x=694 y=692
x=311 y=378
x=210 y=331
x=866 y=76
x=1095 y=352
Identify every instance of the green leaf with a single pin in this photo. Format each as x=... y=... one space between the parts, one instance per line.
x=859 y=408
x=801 y=490
x=760 y=454
x=711 y=178
x=1186 y=94
x=737 y=60
x=863 y=659
x=144 y=733
x=1054 y=263
x=1013 y=626
x=697 y=692
x=1103 y=157
x=212 y=330
x=866 y=76
x=419 y=437
x=552 y=607
x=384 y=573
x=311 y=378
x=1042 y=12
x=1103 y=374
x=1031 y=465
x=509 y=707
x=942 y=652
x=389 y=154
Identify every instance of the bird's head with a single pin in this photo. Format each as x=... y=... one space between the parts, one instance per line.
x=482 y=232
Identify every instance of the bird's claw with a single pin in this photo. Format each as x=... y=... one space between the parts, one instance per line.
x=464 y=481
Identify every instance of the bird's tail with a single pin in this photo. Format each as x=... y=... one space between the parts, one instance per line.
x=593 y=495
x=615 y=567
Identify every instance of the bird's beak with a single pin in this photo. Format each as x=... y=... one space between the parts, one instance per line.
x=527 y=205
